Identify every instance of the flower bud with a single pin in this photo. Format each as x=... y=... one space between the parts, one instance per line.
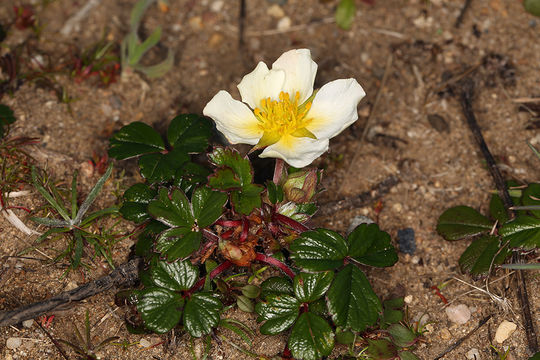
x=301 y=186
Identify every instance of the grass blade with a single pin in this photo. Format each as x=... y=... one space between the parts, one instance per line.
x=57 y=223
x=74 y=195
x=92 y=195
x=99 y=213
x=61 y=210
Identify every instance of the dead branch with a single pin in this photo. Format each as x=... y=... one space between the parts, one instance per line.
x=123 y=276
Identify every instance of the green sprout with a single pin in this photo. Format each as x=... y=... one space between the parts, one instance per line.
x=85 y=349
x=132 y=49
x=75 y=223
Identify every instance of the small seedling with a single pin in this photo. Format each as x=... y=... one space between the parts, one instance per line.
x=132 y=49
x=75 y=223
x=84 y=348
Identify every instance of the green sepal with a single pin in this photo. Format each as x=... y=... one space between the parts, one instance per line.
x=303 y=132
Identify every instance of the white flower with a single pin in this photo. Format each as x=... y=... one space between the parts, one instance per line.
x=281 y=113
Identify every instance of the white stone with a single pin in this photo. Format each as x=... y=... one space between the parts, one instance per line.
x=217 y=5
x=504 y=331
x=28 y=323
x=408 y=299
x=284 y=23
x=473 y=354
x=144 y=343
x=13 y=343
x=275 y=11
x=458 y=314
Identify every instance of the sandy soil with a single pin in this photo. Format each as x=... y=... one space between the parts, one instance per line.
x=437 y=168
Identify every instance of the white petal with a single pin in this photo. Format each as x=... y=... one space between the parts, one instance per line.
x=260 y=84
x=297 y=152
x=300 y=72
x=233 y=119
x=334 y=107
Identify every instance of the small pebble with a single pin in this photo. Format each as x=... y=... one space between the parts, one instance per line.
x=408 y=299
x=28 y=323
x=13 y=343
x=71 y=285
x=504 y=331
x=357 y=221
x=406 y=241
x=473 y=354
x=458 y=314
x=144 y=343
x=284 y=23
x=217 y=5
x=275 y=11
x=438 y=123
x=445 y=334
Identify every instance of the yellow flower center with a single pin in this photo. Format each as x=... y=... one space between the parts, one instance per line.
x=284 y=117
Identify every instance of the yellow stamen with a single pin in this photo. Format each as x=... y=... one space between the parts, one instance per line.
x=284 y=117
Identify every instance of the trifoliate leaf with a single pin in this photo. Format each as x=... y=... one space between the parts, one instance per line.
x=310 y=287
x=135 y=139
x=351 y=300
x=462 y=222
x=160 y=309
x=311 y=338
x=189 y=133
x=176 y=276
x=372 y=246
x=136 y=200
x=207 y=206
x=190 y=175
x=225 y=179
x=522 y=232
x=279 y=311
x=477 y=258
x=319 y=250
x=201 y=314
x=232 y=159
x=175 y=211
x=247 y=199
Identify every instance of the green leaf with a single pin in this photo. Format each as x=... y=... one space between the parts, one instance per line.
x=6 y=117
x=157 y=70
x=372 y=246
x=279 y=311
x=226 y=157
x=477 y=258
x=136 y=199
x=201 y=314
x=137 y=13
x=175 y=211
x=319 y=250
x=190 y=175
x=251 y=291
x=532 y=6
x=145 y=241
x=522 y=232
x=497 y=210
x=392 y=311
x=161 y=167
x=345 y=14
x=344 y=337
x=247 y=199
x=146 y=45
x=135 y=139
x=178 y=243
x=401 y=335
x=276 y=286
x=462 y=222
x=189 y=133
x=351 y=300
x=381 y=349
x=531 y=197
x=311 y=338
x=310 y=287
x=177 y=276
x=275 y=192
x=225 y=179
x=245 y=304
x=207 y=206
x=160 y=309
x=535 y=356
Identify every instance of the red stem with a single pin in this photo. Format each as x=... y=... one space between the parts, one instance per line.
x=218 y=270
x=245 y=229
x=210 y=235
x=278 y=171
x=285 y=220
x=274 y=262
